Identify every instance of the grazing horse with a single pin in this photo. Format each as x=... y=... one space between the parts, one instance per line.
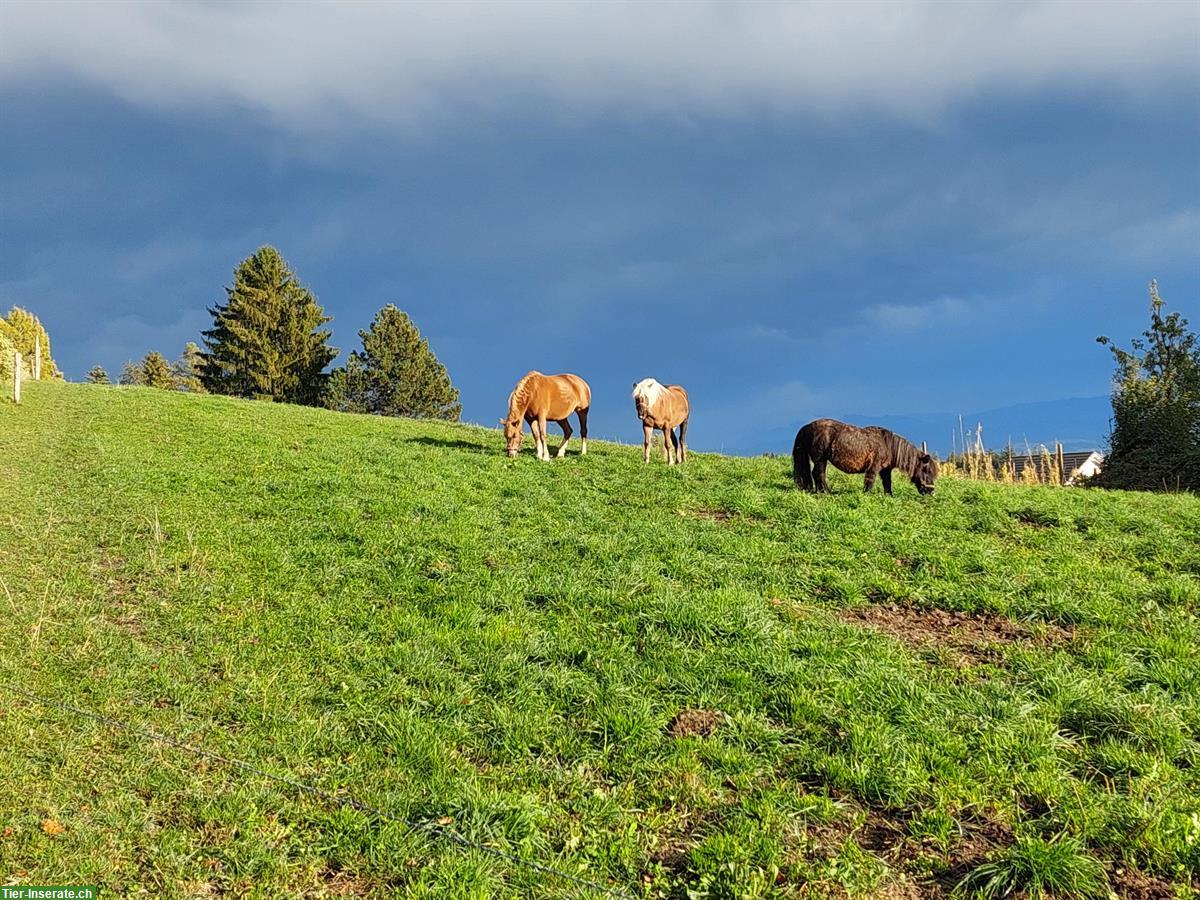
x=539 y=398
x=664 y=408
x=871 y=451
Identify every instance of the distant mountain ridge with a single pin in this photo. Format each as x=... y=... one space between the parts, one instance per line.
x=1079 y=423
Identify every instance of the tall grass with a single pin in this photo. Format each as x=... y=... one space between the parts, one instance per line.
x=1040 y=466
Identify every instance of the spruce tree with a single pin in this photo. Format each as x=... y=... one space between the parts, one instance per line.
x=396 y=374
x=97 y=375
x=266 y=339
x=156 y=372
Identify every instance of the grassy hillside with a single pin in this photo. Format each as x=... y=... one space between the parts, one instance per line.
x=998 y=680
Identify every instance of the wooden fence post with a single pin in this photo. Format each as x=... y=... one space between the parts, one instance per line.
x=924 y=449
x=36 y=365
x=16 y=376
x=1058 y=459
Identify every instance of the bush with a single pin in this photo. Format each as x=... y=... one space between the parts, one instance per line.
x=1155 y=440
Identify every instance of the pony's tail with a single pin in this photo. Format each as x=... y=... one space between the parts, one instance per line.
x=801 y=463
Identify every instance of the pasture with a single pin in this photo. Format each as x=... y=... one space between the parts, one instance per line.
x=880 y=696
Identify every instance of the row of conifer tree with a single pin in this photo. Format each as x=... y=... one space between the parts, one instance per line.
x=268 y=341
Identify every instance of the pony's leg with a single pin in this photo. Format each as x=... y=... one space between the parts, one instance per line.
x=668 y=446
x=868 y=481
x=683 y=440
x=583 y=413
x=565 y=425
x=885 y=475
x=647 y=440
x=541 y=420
x=818 y=474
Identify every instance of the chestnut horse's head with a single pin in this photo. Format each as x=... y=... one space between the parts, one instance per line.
x=512 y=435
x=924 y=473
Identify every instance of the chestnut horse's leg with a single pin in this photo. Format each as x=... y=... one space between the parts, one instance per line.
x=565 y=425
x=541 y=420
x=537 y=437
x=582 y=413
x=868 y=480
x=647 y=440
x=683 y=440
x=669 y=445
x=885 y=475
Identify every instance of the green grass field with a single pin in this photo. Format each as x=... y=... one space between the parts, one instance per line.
x=994 y=687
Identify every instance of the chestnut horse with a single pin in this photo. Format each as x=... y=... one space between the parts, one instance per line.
x=664 y=408
x=870 y=451
x=539 y=398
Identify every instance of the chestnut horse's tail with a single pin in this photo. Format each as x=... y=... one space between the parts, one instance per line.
x=802 y=458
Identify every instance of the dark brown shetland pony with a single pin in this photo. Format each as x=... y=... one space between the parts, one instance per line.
x=870 y=451
x=539 y=398
x=664 y=408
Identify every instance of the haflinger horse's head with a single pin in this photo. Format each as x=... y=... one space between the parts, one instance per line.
x=512 y=435
x=925 y=473
x=645 y=395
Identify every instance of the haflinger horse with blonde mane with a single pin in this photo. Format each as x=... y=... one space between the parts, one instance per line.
x=538 y=399
x=664 y=408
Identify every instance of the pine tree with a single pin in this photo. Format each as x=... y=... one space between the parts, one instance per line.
x=186 y=370
x=266 y=339
x=396 y=374
x=97 y=375
x=156 y=372
x=1155 y=440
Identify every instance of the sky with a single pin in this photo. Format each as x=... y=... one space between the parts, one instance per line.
x=895 y=212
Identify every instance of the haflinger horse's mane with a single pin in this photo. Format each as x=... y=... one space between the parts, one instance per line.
x=646 y=393
x=520 y=392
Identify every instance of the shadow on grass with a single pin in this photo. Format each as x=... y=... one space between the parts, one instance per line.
x=451 y=443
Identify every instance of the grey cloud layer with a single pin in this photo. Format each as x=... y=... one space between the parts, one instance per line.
x=312 y=65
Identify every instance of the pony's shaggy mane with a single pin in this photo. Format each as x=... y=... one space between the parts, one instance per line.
x=905 y=454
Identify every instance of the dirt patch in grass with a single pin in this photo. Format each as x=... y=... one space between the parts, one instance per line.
x=119 y=588
x=1035 y=518
x=695 y=723
x=1134 y=885
x=878 y=832
x=710 y=514
x=928 y=871
x=978 y=842
x=334 y=881
x=971 y=637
